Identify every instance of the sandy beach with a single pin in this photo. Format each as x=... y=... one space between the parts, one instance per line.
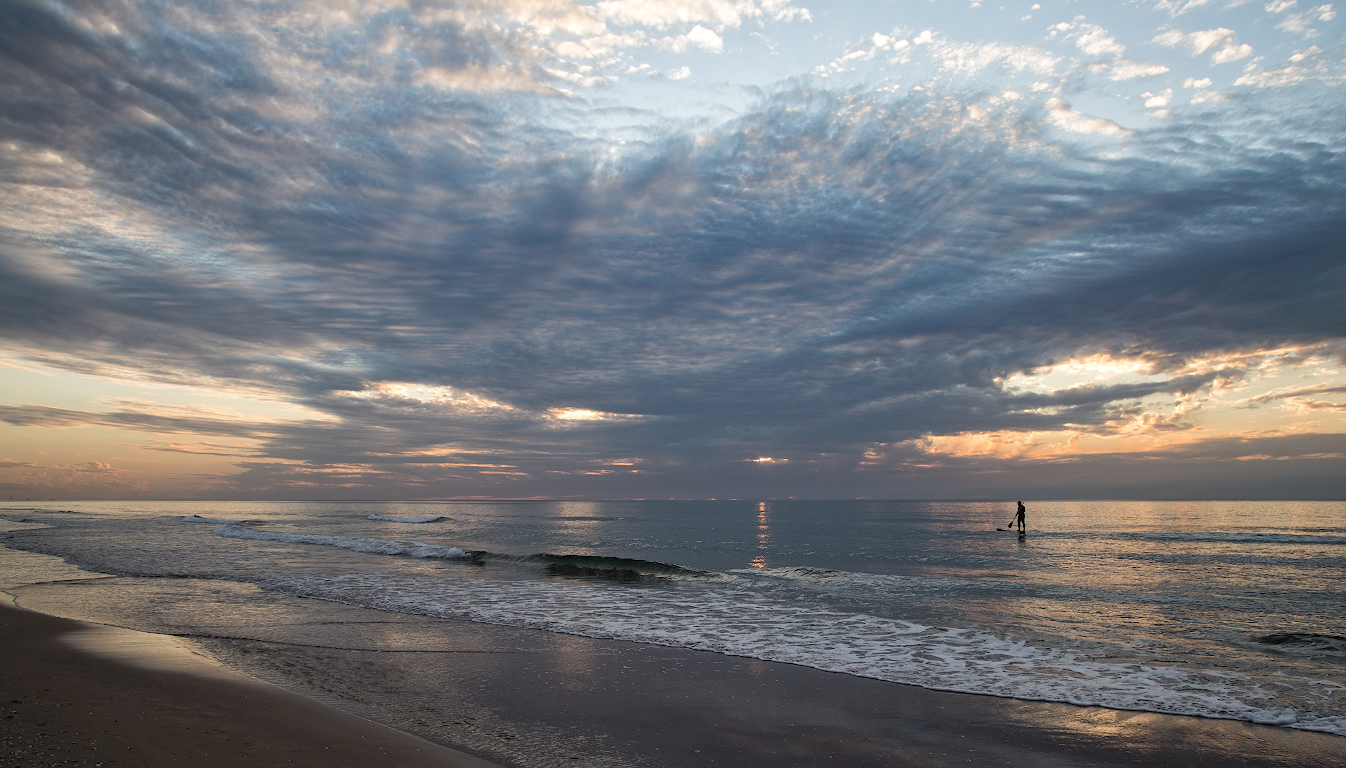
x=82 y=694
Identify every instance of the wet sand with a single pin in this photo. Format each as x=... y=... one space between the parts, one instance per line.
x=79 y=694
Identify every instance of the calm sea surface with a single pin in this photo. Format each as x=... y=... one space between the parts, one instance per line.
x=1221 y=609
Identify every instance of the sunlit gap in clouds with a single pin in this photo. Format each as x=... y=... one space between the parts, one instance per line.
x=584 y=414
x=150 y=437
x=1262 y=393
x=404 y=394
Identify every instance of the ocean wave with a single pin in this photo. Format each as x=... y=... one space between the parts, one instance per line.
x=388 y=519
x=199 y=519
x=891 y=586
x=355 y=544
x=735 y=621
x=623 y=569
x=824 y=576
x=1306 y=642
x=801 y=572
x=613 y=567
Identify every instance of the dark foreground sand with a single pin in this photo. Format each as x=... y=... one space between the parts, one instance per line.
x=63 y=704
x=73 y=693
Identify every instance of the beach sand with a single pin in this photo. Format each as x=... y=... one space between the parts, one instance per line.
x=79 y=693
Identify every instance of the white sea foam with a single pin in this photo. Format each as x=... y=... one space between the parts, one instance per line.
x=894 y=586
x=356 y=544
x=826 y=577
x=743 y=616
x=387 y=519
x=735 y=621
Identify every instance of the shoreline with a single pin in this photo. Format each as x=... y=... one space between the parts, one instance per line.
x=85 y=694
x=91 y=694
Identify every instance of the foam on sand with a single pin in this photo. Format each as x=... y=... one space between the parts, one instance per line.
x=732 y=620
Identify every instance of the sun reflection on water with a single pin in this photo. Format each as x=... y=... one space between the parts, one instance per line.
x=763 y=535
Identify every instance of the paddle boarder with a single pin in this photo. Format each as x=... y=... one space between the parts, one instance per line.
x=1019 y=518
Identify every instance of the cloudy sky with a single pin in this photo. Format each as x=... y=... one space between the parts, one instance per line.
x=672 y=248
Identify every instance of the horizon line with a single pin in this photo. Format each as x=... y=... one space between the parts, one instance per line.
x=688 y=498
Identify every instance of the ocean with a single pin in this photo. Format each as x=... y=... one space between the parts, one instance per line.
x=1213 y=608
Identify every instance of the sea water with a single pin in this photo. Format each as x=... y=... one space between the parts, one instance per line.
x=1217 y=609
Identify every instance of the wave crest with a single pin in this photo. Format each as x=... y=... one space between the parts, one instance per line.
x=353 y=543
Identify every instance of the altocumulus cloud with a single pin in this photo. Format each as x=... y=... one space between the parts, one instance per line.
x=390 y=222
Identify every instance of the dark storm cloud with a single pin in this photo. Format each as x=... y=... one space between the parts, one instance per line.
x=293 y=210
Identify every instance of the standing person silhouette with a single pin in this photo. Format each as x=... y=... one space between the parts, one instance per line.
x=1019 y=518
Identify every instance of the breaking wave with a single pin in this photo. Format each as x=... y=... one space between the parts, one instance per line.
x=353 y=543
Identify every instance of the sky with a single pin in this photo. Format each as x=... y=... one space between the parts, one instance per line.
x=766 y=249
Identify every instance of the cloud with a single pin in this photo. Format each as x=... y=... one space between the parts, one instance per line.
x=1092 y=39
x=200 y=448
x=698 y=37
x=1301 y=398
x=1223 y=44
x=720 y=14
x=970 y=58
x=1156 y=100
x=1129 y=69
x=1179 y=7
x=471 y=280
x=1264 y=467
x=93 y=467
x=1060 y=114
x=1095 y=41
x=187 y=423
x=1301 y=66
x=1298 y=23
